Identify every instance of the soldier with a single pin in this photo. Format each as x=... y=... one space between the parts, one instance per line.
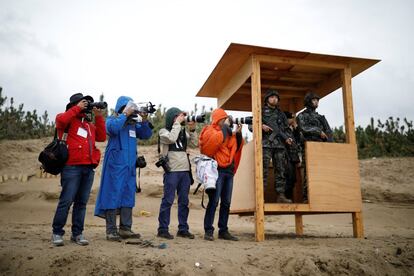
x=293 y=152
x=274 y=140
x=314 y=127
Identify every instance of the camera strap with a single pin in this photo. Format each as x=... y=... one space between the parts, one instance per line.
x=138 y=184
x=159 y=144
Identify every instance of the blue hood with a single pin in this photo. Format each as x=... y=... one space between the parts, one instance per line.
x=122 y=101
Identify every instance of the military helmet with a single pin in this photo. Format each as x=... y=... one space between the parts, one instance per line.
x=309 y=97
x=270 y=93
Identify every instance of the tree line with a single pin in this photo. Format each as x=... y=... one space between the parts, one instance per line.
x=392 y=138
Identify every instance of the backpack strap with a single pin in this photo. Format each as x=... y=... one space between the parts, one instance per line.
x=202 y=200
x=202 y=197
x=196 y=189
x=64 y=135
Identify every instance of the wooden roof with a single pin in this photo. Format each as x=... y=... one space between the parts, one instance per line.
x=292 y=73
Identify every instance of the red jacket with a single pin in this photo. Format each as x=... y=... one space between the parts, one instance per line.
x=81 y=136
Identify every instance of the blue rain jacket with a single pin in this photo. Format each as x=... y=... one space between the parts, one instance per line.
x=118 y=182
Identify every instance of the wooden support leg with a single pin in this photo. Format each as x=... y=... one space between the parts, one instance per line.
x=299 y=224
x=257 y=140
x=358 y=225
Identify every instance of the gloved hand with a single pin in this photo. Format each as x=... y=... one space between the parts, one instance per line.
x=130 y=108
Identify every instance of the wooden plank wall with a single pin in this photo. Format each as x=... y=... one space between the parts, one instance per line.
x=243 y=199
x=333 y=174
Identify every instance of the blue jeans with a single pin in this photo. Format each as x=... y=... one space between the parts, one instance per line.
x=76 y=182
x=180 y=182
x=224 y=189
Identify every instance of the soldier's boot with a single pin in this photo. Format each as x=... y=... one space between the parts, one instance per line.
x=282 y=199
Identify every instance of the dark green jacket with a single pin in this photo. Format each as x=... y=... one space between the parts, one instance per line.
x=275 y=119
x=311 y=124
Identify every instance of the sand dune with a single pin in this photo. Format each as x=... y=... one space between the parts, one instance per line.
x=27 y=208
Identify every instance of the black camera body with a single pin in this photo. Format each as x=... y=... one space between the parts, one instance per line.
x=163 y=162
x=99 y=105
x=196 y=118
x=141 y=163
x=146 y=108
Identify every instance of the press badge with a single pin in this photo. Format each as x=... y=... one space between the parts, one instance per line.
x=132 y=133
x=82 y=132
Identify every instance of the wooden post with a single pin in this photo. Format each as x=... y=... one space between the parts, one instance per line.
x=258 y=158
x=348 y=107
x=358 y=225
x=299 y=224
x=346 y=75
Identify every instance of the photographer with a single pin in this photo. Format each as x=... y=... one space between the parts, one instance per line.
x=78 y=173
x=118 y=184
x=219 y=142
x=173 y=140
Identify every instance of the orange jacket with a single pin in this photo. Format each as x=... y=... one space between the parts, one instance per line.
x=213 y=144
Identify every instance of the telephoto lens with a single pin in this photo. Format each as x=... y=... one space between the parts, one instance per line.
x=196 y=118
x=244 y=121
x=99 y=105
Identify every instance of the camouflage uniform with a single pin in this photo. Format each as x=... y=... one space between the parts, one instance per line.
x=311 y=124
x=293 y=158
x=273 y=144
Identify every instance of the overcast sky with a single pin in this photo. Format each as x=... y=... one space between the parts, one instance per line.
x=164 y=51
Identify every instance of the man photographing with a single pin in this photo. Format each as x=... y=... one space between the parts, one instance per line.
x=118 y=183
x=173 y=141
x=78 y=173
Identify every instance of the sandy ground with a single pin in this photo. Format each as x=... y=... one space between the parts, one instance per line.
x=27 y=208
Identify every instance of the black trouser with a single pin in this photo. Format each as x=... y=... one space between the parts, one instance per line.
x=125 y=221
x=290 y=179
x=304 y=177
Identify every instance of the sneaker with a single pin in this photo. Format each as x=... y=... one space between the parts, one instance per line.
x=57 y=240
x=227 y=236
x=282 y=199
x=113 y=237
x=128 y=234
x=209 y=237
x=165 y=235
x=185 y=234
x=80 y=240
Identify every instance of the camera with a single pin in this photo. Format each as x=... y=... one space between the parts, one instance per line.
x=140 y=163
x=196 y=118
x=140 y=108
x=145 y=107
x=99 y=105
x=163 y=162
x=244 y=120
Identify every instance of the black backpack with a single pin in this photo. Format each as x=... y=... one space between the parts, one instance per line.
x=55 y=155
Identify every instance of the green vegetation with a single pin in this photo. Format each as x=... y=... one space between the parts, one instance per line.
x=393 y=138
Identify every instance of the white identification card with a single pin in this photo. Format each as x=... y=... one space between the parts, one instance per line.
x=132 y=133
x=82 y=132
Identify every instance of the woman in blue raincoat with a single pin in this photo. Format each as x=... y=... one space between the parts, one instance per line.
x=118 y=183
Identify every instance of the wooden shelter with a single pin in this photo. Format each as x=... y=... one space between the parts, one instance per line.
x=239 y=82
